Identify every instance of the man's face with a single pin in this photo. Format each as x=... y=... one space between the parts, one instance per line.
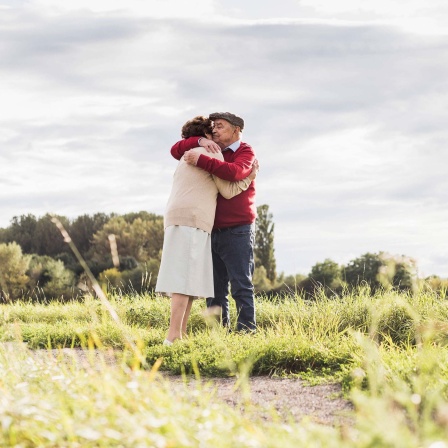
x=224 y=133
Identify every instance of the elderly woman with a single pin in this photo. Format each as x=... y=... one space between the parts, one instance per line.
x=186 y=269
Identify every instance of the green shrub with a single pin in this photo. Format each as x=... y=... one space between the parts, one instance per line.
x=13 y=268
x=49 y=279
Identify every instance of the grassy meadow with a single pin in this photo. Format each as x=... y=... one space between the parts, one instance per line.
x=388 y=349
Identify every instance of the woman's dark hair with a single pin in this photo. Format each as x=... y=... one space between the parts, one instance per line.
x=197 y=127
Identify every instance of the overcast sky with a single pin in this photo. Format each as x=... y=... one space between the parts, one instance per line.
x=345 y=104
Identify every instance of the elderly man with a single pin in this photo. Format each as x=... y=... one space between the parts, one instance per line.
x=233 y=233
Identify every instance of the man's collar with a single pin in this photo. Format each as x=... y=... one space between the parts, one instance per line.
x=234 y=146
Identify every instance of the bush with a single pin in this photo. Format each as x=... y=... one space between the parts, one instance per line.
x=111 y=278
x=13 y=268
x=49 y=279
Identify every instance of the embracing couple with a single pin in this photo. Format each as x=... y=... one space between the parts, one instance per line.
x=210 y=223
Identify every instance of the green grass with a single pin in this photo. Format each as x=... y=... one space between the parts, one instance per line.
x=389 y=350
x=46 y=404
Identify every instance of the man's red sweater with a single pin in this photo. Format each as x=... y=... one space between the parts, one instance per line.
x=236 y=166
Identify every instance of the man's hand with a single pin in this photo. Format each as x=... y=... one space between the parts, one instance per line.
x=192 y=156
x=209 y=145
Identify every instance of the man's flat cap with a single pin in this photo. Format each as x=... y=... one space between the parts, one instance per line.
x=231 y=118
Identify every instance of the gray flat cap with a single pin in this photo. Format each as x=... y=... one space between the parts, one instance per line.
x=231 y=118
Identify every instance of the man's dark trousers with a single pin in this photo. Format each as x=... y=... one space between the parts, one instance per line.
x=233 y=261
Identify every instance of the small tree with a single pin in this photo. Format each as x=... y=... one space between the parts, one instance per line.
x=13 y=268
x=382 y=270
x=327 y=273
x=324 y=278
x=50 y=278
x=264 y=242
x=48 y=239
x=83 y=228
x=364 y=269
x=22 y=230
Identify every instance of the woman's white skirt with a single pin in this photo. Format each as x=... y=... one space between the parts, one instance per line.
x=186 y=266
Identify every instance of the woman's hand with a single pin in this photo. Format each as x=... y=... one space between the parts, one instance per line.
x=192 y=156
x=254 y=172
x=209 y=145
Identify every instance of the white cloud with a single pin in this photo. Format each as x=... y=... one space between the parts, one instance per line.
x=418 y=16
x=146 y=8
x=346 y=112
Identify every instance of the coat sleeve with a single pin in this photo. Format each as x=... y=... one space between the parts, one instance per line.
x=237 y=170
x=230 y=189
x=181 y=147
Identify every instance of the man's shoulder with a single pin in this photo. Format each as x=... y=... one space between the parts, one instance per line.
x=245 y=147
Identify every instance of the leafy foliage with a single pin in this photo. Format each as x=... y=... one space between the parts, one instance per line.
x=13 y=268
x=326 y=273
x=139 y=239
x=49 y=277
x=264 y=242
x=382 y=271
x=84 y=227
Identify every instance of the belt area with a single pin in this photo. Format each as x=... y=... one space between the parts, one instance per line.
x=224 y=229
